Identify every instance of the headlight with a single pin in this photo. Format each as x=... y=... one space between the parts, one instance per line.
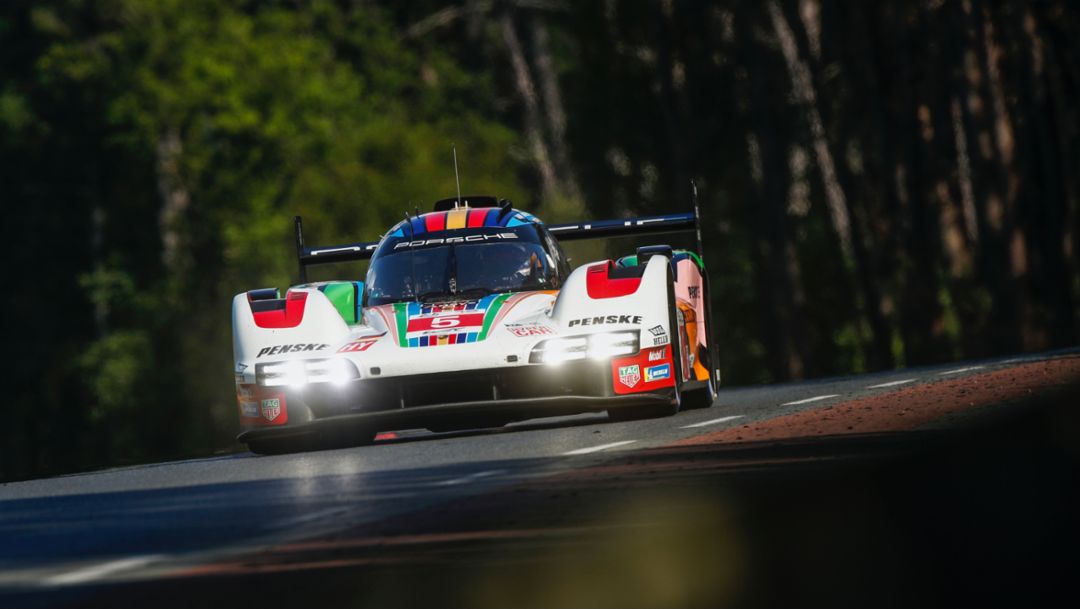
x=594 y=346
x=558 y=350
x=336 y=371
x=297 y=373
x=608 y=345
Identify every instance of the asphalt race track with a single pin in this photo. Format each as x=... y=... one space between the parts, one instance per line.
x=954 y=485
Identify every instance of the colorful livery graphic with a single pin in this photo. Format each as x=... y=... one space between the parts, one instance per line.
x=471 y=316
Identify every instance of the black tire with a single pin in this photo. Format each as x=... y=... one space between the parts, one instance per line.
x=704 y=397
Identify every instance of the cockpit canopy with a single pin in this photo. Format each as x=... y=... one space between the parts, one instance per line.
x=463 y=263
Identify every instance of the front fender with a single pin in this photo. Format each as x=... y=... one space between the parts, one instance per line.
x=599 y=297
x=264 y=328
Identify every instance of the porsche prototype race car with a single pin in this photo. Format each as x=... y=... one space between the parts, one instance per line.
x=470 y=316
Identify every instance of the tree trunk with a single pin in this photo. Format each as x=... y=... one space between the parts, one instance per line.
x=670 y=81
x=534 y=131
x=992 y=255
x=778 y=278
x=553 y=108
x=174 y=197
x=853 y=236
x=803 y=87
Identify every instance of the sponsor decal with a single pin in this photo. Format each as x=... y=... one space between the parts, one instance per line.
x=239 y=376
x=442 y=322
x=529 y=329
x=358 y=345
x=249 y=409
x=629 y=375
x=657 y=373
x=657 y=354
x=271 y=408
x=297 y=348
x=245 y=391
x=450 y=323
x=448 y=240
x=660 y=336
x=694 y=291
x=606 y=319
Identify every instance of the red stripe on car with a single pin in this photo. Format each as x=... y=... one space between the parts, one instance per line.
x=434 y=222
x=600 y=285
x=476 y=217
x=288 y=316
x=446 y=322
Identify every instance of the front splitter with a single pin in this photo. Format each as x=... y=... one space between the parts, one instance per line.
x=518 y=409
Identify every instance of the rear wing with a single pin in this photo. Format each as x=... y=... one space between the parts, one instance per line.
x=652 y=225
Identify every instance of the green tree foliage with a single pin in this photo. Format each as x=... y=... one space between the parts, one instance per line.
x=211 y=125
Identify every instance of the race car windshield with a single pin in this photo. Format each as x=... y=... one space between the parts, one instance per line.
x=458 y=271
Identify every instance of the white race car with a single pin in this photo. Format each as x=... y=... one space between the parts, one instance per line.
x=470 y=316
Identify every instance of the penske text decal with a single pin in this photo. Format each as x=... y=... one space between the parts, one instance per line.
x=606 y=319
x=297 y=348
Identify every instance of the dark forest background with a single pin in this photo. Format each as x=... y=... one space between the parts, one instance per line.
x=884 y=184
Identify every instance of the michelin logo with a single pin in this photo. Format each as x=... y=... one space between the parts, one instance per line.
x=657 y=373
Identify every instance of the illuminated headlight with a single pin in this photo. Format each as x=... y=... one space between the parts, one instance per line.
x=298 y=373
x=337 y=371
x=593 y=346
x=558 y=350
x=608 y=345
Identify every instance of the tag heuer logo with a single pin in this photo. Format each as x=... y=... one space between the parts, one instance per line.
x=629 y=375
x=271 y=409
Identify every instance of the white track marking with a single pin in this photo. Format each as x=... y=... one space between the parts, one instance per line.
x=101 y=570
x=813 y=399
x=596 y=449
x=960 y=370
x=712 y=421
x=469 y=478
x=892 y=384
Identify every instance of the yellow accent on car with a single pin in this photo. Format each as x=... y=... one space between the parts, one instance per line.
x=456 y=218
